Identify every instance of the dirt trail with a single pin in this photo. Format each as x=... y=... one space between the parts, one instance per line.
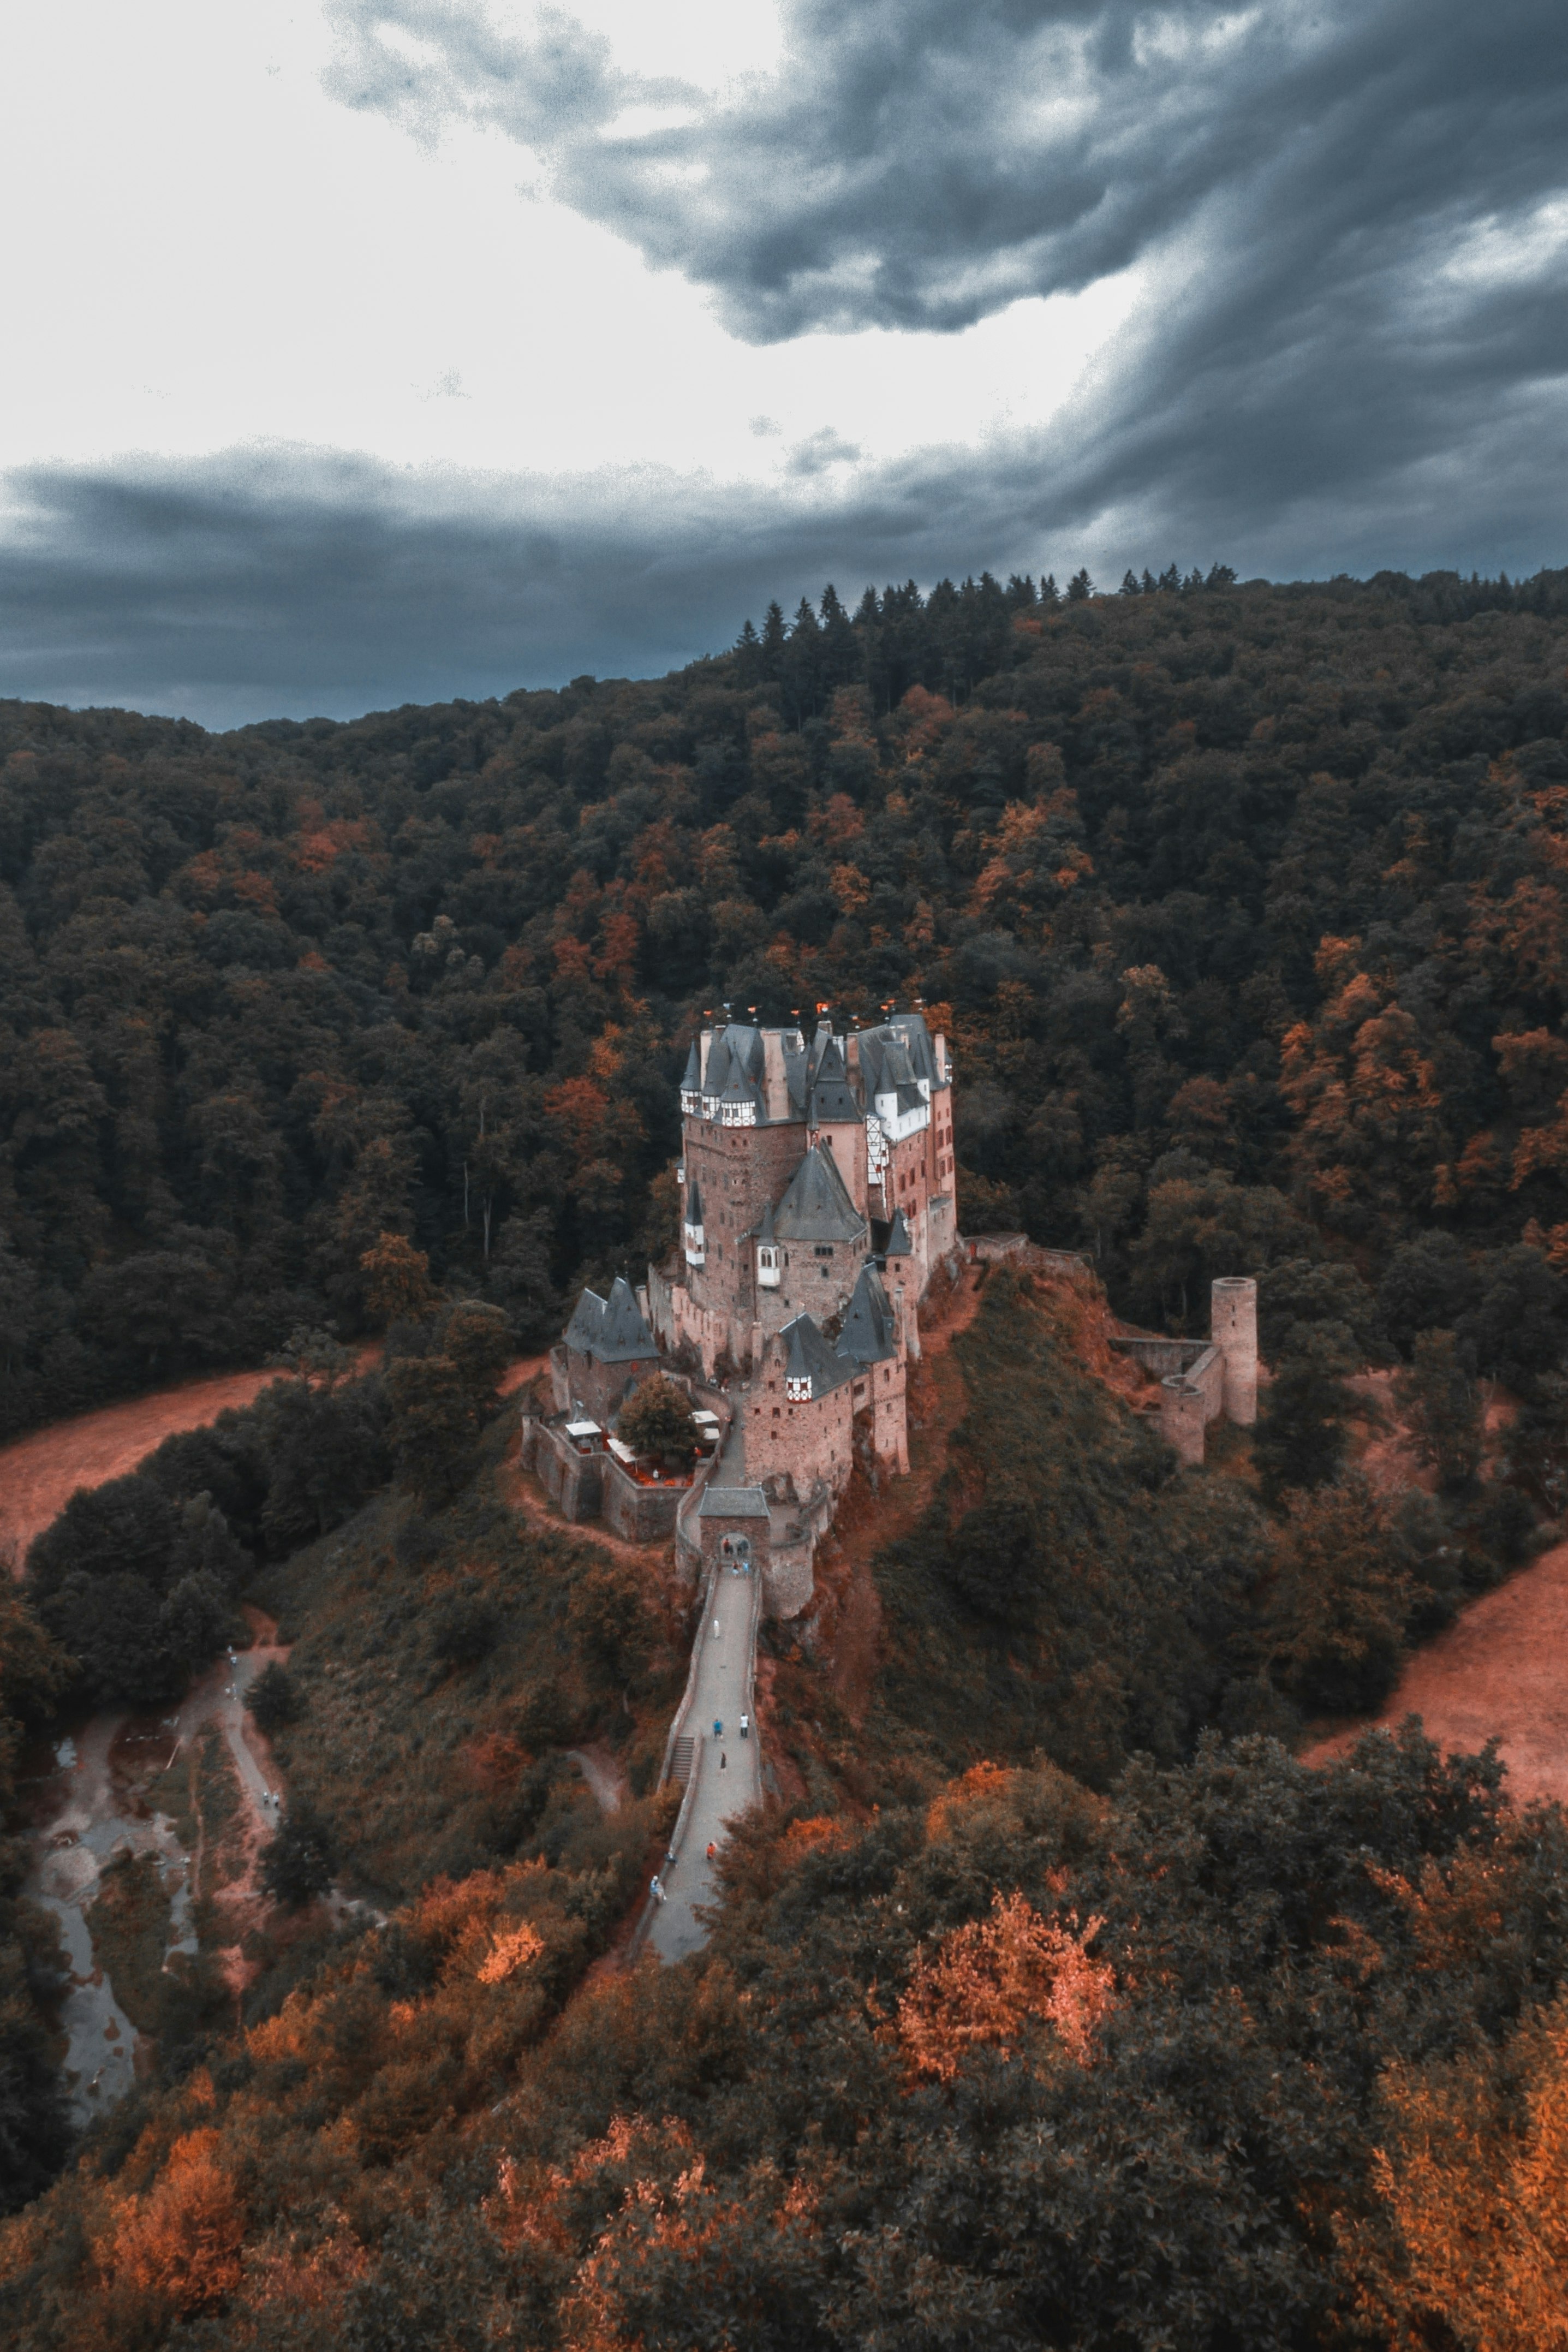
x=1500 y=1668
x=41 y=1472
x=602 y=1770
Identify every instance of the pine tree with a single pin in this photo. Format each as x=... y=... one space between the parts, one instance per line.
x=774 y=640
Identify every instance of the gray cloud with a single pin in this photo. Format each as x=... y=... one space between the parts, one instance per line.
x=1354 y=348
x=1349 y=216
x=298 y=582
x=914 y=165
x=818 y=451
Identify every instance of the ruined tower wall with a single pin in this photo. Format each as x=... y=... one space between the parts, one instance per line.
x=1189 y=1400
x=1233 y=1326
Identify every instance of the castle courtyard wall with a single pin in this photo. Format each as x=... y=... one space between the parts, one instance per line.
x=636 y=1513
x=574 y=1481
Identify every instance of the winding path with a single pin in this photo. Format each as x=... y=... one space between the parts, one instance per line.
x=1499 y=1669
x=41 y=1472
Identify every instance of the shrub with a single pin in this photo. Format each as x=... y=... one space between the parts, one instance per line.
x=274 y=1698
x=462 y=1627
x=297 y=1863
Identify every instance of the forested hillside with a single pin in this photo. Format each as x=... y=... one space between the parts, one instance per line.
x=1244 y=905
x=1052 y=2001
x=1006 y=2034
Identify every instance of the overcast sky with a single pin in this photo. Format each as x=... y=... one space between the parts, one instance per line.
x=366 y=353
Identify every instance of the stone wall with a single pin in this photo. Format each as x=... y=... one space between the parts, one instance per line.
x=787 y=1580
x=574 y=1481
x=1189 y=1400
x=596 y=1391
x=1233 y=1321
x=805 y=1442
x=740 y=1170
x=639 y=1514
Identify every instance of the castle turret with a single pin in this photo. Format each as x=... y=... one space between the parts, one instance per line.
x=1233 y=1326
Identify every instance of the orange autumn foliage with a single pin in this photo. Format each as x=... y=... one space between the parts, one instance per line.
x=1370 y=1131
x=1474 y=2184
x=179 y=2242
x=988 y=1983
x=577 y=1106
x=979 y=1785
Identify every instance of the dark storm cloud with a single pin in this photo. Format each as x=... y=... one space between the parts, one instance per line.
x=1349 y=346
x=300 y=582
x=911 y=163
x=1347 y=216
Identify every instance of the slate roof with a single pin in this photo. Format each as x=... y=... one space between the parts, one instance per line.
x=898 y=1241
x=808 y=1357
x=829 y=1093
x=693 y=1078
x=896 y=1053
x=587 y=1323
x=816 y=1207
x=733 y=1503
x=735 y=1057
x=610 y=1330
x=693 y=1203
x=867 y=1337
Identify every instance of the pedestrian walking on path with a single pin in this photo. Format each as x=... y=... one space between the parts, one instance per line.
x=717 y=1728
x=716 y=1629
x=656 y=1888
x=712 y=1849
x=746 y=1726
x=723 y=1761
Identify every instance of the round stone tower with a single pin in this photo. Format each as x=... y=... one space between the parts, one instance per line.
x=1233 y=1328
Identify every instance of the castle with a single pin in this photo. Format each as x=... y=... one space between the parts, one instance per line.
x=817 y=1200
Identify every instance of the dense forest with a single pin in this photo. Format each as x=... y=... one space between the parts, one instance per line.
x=1051 y=2001
x=1252 y=892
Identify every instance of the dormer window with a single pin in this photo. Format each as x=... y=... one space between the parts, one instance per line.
x=798 y=1391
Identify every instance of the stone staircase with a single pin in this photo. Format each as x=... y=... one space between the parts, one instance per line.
x=681 y=1761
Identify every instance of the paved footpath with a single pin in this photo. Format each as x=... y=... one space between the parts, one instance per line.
x=728 y=1768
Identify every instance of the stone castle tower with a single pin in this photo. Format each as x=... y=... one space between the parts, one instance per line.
x=799 y=1162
